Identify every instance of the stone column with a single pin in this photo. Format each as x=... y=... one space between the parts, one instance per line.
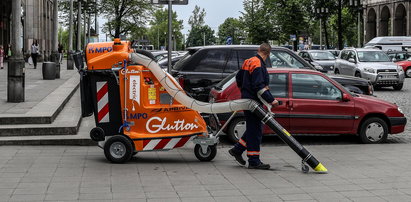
x=15 y=75
x=392 y=13
x=54 y=45
x=70 y=45
x=378 y=19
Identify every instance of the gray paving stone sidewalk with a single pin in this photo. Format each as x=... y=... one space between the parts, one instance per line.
x=70 y=173
x=36 y=89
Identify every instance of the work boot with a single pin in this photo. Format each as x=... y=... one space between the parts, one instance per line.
x=261 y=166
x=238 y=157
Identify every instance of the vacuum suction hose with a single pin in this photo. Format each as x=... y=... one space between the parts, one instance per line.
x=175 y=90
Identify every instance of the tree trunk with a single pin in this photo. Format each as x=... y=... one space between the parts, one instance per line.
x=327 y=45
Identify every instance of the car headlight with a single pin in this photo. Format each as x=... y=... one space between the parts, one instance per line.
x=370 y=70
x=400 y=110
x=318 y=67
x=399 y=69
x=331 y=67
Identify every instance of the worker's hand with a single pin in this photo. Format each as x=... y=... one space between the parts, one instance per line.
x=275 y=103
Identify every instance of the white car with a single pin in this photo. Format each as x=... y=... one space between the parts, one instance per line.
x=371 y=64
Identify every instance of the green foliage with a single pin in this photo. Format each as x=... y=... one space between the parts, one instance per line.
x=157 y=33
x=125 y=16
x=349 y=26
x=231 y=27
x=200 y=35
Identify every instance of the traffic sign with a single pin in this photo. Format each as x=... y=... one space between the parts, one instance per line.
x=174 y=2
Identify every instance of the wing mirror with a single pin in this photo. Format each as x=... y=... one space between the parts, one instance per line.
x=352 y=60
x=345 y=97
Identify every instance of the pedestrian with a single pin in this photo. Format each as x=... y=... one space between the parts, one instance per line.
x=2 y=55
x=253 y=78
x=60 y=49
x=34 y=52
x=9 y=52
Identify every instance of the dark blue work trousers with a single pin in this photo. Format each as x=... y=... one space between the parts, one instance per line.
x=251 y=139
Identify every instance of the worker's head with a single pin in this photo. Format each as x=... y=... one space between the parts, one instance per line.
x=264 y=50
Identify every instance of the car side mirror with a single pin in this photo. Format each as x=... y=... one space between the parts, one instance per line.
x=352 y=60
x=345 y=97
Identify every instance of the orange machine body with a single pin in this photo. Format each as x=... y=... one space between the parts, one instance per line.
x=151 y=118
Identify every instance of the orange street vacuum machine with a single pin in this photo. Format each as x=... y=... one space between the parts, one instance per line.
x=139 y=107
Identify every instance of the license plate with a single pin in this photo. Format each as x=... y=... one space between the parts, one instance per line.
x=389 y=77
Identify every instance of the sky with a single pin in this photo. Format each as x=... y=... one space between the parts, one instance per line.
x=216 y=12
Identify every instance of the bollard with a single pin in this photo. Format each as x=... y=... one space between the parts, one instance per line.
x=49 y=70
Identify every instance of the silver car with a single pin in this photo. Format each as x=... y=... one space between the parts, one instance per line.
x=371 y=64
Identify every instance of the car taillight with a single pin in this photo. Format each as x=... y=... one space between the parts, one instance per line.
x=370 y=89
x=181 y=81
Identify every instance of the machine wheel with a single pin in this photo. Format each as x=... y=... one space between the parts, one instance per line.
x=408 y=72
x=236 y=129
x=374 y=130
x=358 y=74
x=208 y=156
x=118 y=149
x=398 y=86
x=336 y=71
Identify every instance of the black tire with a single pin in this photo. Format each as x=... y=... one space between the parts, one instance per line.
x=358 y=74
x=118 y=149
x=374 y=130
x=336 y=71
x=398 y=86
x=233 y=133
x=208 y=156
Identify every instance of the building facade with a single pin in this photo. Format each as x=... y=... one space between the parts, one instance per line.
x=386 y=18
x=37 y=24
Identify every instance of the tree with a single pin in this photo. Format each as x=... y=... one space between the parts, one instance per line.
x=157 y=33
x=199 y=34
x=231 y=27
x=197 y=19
x=124 y=16
x=261 y=27
x=291 y=17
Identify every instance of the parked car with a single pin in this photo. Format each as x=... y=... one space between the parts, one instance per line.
x=313 y=103
x=324 y=58
x=397 y=56
x=371 y=64
x=334 y=52
x=174 y=59
x=203 y=67
x=406 y=67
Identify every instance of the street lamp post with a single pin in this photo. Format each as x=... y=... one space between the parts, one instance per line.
x=55 y=56
x=70 y=45
x=322 y=13
x=357 y=6
x=15 y=69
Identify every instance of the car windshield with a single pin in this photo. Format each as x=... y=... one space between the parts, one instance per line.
x=322 y=56
x=284 y=59
x=373 y=56
x=180 y=63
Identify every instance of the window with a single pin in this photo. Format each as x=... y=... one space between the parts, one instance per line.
x=344 y=55
x=212 y=61
x=232 y=63
x=244 y=55
x=284 y=59
x=311 y=86
x=351 y=55
x=278 y=85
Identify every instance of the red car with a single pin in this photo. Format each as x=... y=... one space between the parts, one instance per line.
x=313 y=103
x=406 y=66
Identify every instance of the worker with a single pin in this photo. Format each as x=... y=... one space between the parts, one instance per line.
x=253 y=79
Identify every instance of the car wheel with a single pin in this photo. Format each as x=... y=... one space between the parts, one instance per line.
x=398 y=86
x=236 y=129
x=118 y=149
x=358 y=74
x=374 y=130
x=336 y=71
x=408 y=72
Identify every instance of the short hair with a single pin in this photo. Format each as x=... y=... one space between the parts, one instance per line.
x=265 y=48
